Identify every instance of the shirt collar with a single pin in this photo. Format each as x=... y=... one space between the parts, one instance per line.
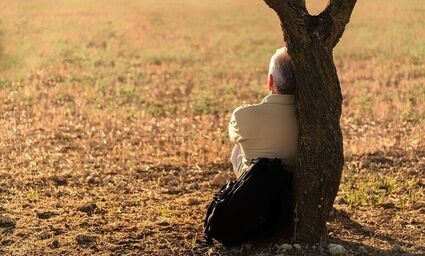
x=285 y=99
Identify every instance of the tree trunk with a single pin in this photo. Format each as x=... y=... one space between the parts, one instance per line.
x=310 y=41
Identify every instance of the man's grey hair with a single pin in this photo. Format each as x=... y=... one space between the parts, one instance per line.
x=282 y=71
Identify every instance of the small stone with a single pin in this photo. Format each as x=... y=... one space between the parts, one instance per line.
x=164 y=223
x=44 y=235
x=283 y=247
x=421 y=182
x=60 y=180
x=54 y=244
x=219 y=180
x=6 y=222
x=92 y=180
x=88 y=208
x=388 y=205
x=336 y=249
x=297 y=246
x=57 y=231
x=172 y=190
x=385 y=160
x=192 y=201
x=2 y=209
x=6 y=242
x=85 y=239
x=286 y=246
x=46 y=215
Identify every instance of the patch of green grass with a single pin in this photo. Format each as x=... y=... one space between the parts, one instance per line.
x=4 y=84
x=410 y=116
x=164 y=56
x=205 y=103
x=154 y=109
x=32 y=195
x=213 y=99
x=373 y=187
x=126 y=94
x=364 y=103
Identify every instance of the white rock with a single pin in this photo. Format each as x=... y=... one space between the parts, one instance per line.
x=336 y=249
x=297 y=246
x=283 y=247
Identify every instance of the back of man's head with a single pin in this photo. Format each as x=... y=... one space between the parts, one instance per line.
x=282 y=71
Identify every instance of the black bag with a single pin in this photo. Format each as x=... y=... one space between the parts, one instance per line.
x=249 y=207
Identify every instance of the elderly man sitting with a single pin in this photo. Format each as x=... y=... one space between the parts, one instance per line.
x=260 y=202
x=268 y=129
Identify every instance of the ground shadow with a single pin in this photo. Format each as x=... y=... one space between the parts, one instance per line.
x=265 y=247
x=356 y=228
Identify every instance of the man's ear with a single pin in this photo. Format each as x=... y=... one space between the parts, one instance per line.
x=271 y=82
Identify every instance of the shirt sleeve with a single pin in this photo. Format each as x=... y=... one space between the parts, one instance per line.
x=234 y=132
x=234 y=157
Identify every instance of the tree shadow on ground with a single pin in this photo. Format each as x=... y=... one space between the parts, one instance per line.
x=353 y=247
x=362 y=240
x=354 y=227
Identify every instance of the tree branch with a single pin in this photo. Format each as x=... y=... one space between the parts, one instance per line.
x=332 y=21
x=292 y=17
x=282 y=6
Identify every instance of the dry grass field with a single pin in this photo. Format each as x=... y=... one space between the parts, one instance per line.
x=113 y=118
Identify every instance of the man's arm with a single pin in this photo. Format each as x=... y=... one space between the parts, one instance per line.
x=234 y=132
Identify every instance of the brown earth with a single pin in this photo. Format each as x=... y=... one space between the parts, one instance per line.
x=113 y=124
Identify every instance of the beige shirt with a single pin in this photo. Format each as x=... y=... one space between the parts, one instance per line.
x=268 y=129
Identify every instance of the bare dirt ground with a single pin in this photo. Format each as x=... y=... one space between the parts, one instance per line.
x=113 y=144
x=78 y=185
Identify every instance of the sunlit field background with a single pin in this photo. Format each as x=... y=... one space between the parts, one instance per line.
x=113 y=123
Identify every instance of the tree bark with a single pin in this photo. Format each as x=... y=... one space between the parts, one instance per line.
x=310 y=41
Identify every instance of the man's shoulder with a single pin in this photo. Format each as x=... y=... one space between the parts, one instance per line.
x=246 y=108
x=246 y=113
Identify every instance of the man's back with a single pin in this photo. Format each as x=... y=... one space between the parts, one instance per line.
x=268 y=129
